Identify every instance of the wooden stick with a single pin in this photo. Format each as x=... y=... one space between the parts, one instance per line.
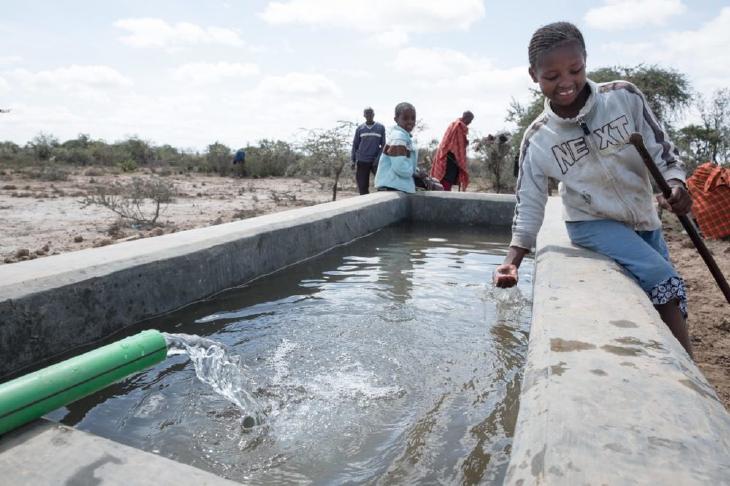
x=638 y=142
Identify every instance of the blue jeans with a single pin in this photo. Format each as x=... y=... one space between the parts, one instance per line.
x=643 y=254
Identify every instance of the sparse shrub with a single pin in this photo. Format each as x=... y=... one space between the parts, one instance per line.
x=140 y=201
x=247 y=213
x=93 y=172
x=328 y=151
x=48 y=173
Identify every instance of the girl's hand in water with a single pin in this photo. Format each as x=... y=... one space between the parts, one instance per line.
x=505 y=276
x=679 y=202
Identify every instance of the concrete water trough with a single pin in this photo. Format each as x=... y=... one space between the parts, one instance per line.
x=608 y=395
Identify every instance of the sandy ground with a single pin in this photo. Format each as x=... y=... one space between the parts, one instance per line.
x=709 y=312
x=45 y=218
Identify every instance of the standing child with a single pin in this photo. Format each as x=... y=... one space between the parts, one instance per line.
x=581 y=139
x=398 y=162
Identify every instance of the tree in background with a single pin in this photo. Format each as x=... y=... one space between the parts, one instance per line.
x=271 y=158
x=709 y=140
x=667 y=91
x=495 y=151
x=43 y=145
x=426 y=154
x=218 y=158
x=327 y=151
x=522 y=115
x=140 y=151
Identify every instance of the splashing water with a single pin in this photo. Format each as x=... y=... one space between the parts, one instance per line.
x=220 y=370
x=390 y=361
x=510 y=302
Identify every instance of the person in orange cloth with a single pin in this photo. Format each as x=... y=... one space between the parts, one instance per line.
x=449 y=164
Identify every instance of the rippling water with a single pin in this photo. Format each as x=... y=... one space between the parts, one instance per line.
x=386 y=361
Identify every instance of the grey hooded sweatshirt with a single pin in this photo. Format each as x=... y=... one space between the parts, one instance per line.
x=601 y=175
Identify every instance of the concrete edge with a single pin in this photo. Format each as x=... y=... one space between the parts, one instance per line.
x=472 y=208
x=85 y=282
x=609 y=396
x=47 y=453
x=99 y=291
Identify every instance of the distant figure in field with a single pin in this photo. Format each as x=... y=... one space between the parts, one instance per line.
x=366 y=149
x=449 y=164
x=240 y=158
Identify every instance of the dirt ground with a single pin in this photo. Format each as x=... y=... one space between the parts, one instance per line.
x=709 y=312
x=39 y=218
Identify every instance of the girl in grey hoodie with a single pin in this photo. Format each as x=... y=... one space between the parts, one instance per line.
x=581 y=139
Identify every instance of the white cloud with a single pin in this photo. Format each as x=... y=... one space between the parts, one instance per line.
x=628 y=14
x=448 y=67
x=701 y=54
x=209 y=73
x=5 y=60
x=304 y=84
x=433 y=63
x=392 y=38
x=444 y=82
x=4 y=85
x=150 y=32
x=392 y=20
x=73 y=77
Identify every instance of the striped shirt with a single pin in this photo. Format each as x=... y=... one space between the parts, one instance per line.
x=368 y=143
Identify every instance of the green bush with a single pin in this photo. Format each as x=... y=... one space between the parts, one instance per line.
x=73 y=156
x=128 y=165
x=271 y=158
x=218 y=159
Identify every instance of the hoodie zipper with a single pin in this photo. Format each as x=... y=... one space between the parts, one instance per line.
x=582 y=123
x=587 y=132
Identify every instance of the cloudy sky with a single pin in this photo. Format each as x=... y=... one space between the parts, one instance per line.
x=189 y=73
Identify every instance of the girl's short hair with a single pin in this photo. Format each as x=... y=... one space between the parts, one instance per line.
x=551 y=36
x=401 y=107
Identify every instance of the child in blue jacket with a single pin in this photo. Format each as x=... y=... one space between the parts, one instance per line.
x=398 y=162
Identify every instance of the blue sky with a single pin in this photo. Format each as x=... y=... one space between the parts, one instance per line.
x=191 y=73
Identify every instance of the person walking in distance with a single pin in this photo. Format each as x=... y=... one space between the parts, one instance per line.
x=366 y=149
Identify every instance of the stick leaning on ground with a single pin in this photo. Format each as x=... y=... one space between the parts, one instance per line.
x=637 y=141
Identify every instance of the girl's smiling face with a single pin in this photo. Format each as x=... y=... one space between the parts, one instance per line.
x=561 y=74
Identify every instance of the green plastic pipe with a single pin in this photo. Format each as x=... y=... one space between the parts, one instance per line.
x=34 y=395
